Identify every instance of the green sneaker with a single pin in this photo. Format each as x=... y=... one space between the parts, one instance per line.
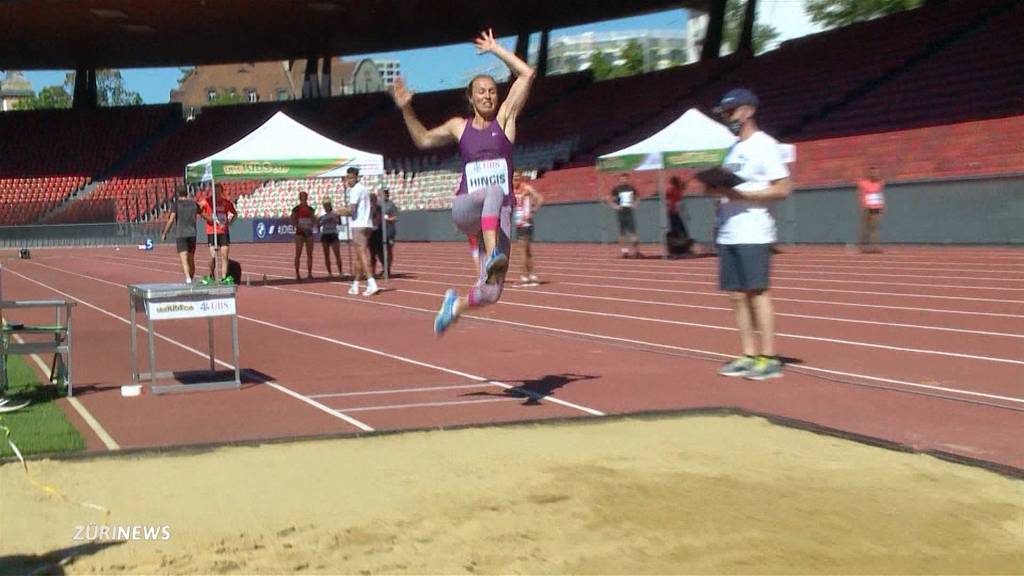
x=228 y=281
x=738 y=367
x=765 y=368
x=206 y=281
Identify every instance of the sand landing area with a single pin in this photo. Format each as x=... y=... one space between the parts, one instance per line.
x=693 y=494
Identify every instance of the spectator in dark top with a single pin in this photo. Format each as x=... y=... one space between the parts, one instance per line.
x=390 y=214
x=678 y=237
x=303 y=218
x=623 y=199
x=183 y=219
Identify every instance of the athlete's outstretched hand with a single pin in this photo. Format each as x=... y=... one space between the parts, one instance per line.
x=486 y=42
x=401 y=95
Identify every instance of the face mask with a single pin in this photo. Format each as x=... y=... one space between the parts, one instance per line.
x=735 y=126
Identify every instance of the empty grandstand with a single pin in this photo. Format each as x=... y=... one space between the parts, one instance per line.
x=931 y=93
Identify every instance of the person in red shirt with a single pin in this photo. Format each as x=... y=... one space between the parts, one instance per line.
x=219 y=216
x=872 y=204
x=678 y=237
x=303 y=218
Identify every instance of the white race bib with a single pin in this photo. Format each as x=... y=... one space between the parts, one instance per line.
x=484 y=174
x=875 y=199
x=520 y=216
x=626 y=199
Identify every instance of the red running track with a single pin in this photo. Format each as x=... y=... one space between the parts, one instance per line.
x=918 y=347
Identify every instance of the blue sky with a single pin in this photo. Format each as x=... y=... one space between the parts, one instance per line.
x=427 y=69
x=449 y=66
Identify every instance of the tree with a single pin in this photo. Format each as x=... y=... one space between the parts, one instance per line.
x=835 y=13
x=226 y=99
x=47 y=98
x=110 y=89
x=734 y=15
x=633 y=54
x=600 y=66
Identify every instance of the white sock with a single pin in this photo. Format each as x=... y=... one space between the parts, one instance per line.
x=371 y=283
x=356 y=284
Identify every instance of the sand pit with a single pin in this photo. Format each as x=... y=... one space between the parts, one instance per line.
x=662 y=495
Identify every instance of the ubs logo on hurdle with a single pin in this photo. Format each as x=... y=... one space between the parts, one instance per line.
x=214 y=306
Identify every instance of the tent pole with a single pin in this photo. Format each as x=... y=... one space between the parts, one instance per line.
x=384 y=236
x=664 y=213
x=213 y=209
x=604 y=220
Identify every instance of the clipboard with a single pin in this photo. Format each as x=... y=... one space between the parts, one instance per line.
x=718 y=177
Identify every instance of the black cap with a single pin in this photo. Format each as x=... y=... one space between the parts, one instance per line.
x=735 y=98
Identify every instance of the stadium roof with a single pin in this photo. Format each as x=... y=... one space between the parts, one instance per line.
x=65 y=34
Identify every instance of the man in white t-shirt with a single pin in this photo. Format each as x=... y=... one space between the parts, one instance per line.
x=746 y=233
x=361 y=227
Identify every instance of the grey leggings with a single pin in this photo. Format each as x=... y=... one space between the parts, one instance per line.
x=471 y=212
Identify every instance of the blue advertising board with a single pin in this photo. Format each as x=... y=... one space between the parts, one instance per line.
x=281 y=230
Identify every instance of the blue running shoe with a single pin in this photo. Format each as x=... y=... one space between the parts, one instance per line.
x=446 y=316
x=496 y=265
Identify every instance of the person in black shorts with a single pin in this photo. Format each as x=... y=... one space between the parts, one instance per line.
x=329 y=223
x=303 y=217
x=389 y=213
x=219 y=214
x=183 y=220
x=623 y=198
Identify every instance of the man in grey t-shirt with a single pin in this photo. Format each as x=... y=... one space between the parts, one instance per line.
x=183 y=219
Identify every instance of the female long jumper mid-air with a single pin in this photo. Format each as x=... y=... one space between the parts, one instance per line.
x=483 y=203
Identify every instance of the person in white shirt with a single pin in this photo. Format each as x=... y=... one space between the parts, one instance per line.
x=746 y=233
x=623 y=199
x=361 y=226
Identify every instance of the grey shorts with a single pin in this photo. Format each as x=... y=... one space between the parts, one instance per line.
x=186 y=244
x=744 y=267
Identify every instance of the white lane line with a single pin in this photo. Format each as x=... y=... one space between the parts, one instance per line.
x=401 y=390
x=722 y=308
x=90 y=420
x=430 y=404
x=697 y=268
x=731 y=329
x=656 y=345
x=597 y=336
x=775 y=288
x=801 y=300
x=276 y=386
x=698 y=293
x=407 y=360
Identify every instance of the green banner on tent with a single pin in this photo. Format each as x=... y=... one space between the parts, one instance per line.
x=263 y=169
x=693 y=158
x=620 y=163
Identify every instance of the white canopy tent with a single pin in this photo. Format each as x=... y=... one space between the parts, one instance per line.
x=691 y=141
x=283 y=149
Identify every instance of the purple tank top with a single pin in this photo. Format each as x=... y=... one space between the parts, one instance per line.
x=486 y=159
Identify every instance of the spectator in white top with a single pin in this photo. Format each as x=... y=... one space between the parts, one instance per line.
x=746 y=233
x=360 y=211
